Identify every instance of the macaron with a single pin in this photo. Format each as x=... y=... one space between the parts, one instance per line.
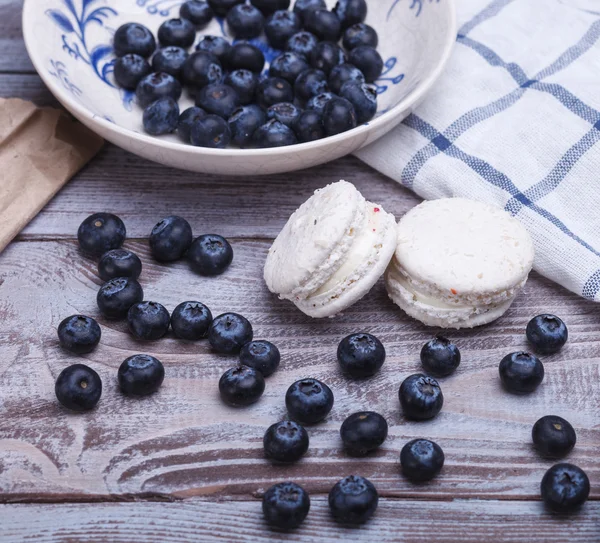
x=331 y=252
x=458 y=263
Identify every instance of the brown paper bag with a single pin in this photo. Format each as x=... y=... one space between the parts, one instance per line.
x=40 y=150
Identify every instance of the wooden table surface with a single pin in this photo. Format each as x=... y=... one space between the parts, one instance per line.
x=181 y=466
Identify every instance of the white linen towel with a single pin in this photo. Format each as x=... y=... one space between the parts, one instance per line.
x=515 y=120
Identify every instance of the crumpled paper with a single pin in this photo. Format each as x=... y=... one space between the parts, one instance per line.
x=40 y=150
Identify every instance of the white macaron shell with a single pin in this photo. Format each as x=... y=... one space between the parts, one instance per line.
x=314 y=242
x=370 y=254
x=463 y=252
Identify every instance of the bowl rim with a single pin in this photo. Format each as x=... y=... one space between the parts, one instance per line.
x=78 y=110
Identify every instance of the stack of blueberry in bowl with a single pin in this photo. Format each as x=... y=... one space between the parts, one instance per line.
x=314 y=89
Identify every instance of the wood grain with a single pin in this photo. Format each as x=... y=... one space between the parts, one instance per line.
x=460 y=521
x=14 y=57
x=253 y=207
x=191 y=469
x=183 y=442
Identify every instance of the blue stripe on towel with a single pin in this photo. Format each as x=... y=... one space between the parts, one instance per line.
x=592 y=286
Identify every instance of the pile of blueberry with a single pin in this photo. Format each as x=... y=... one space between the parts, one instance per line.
x=308 y=401
x=354 y=499
x=79 y=387
x=313 y=89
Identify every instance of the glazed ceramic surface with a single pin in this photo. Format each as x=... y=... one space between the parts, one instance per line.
x=69 y=42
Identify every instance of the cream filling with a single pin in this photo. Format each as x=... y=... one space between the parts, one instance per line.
x=362 y=255
x=419 y=297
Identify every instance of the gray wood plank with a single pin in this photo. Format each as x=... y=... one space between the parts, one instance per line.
x=395 y=520
x=141 y=193
x=26 y=86
x=14 y=57
x=184 y=442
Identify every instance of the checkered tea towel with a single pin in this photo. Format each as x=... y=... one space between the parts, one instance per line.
x=515 y=121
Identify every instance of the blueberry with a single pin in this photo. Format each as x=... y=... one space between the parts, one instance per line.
x=368 y=61
x=326 y=56
x=565 y=487
x=211 y=131
x=270 y=6
x=285 y=441
x=363 y=97
x=243 y=122
x=116 y=296
x=521 y=373
x=353 y=500
x=217 y=46
x=170 y=60
x=310 y=83
x=201 y=69
x=79 y=334
x=218 y=99
x=323 y=24
x=187 y=120
x=338 y=116
x=309 y=126
x=78 y=388
x=191 y=321
x=547 y=334
x=210 y=254
x=440 y=357
x=229 y=332
x=274 y=134
x=285 y=112
x=361 y=355
x=244 y=83
x=196 y=11
x=241 y=386
x=281 y=26
x=351 y=12
x=148 y=320
x=140 y=375
x=553 y=436
x=245 y=56
x=309 y=401
x=170 y=238
x=342 y=73
x=303 y=7
x=156 y=86
x=285 y=506
x=318 y=103
x=288 y=66
x=245 y=21
x=302 y=43
x=273 y=90
x=101 y=232
x=261 y=355
x=222 y=7
x=421 y=397
x=134 y=38
x=177 y=32
x=363 y=432
x=161 y=117
x=119 y=263
x=360 y=34
x=421 y=460
x=130 y=69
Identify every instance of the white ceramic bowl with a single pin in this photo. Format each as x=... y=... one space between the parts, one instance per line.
x=69 y=42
